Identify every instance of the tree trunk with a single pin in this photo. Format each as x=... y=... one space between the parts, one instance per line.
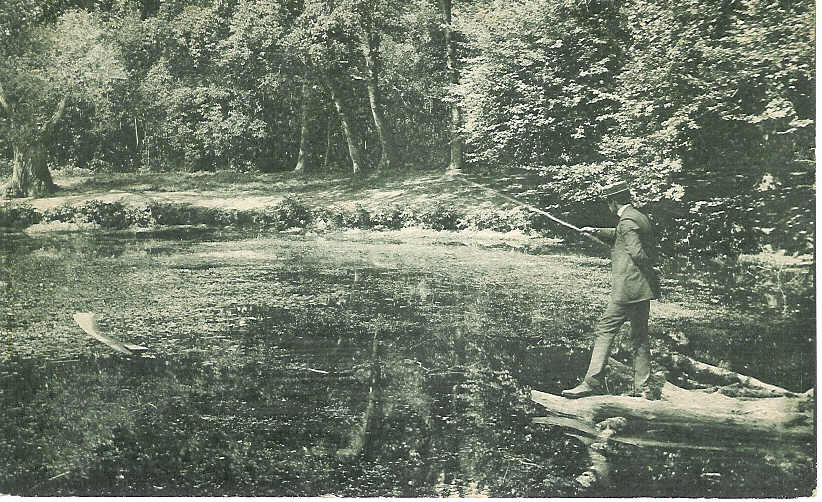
x=388 y=151
x=453 y=78
x=302 y=157
x=725 y=381
x=353 y=147
x=30 y=175
x=686 y=419
x=328 y=140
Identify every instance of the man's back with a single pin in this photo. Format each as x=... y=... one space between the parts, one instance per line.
x=633 y=257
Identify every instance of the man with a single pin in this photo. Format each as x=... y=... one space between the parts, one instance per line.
x=634 y=285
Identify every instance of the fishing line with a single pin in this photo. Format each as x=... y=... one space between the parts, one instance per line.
x=458 y=175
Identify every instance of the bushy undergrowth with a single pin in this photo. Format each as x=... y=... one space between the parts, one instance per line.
x=391 y=217
x=787 y=288
x=711 y=228
x=732 y=226
x=160 y=213
x=503 y=220
x=288 y=213
x=105 y=214
x=19 y=215
x=285 y=214
x=725 y=227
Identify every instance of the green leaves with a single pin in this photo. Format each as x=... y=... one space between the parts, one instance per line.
x=537 y=83
x=688 y=101
x=84 y=61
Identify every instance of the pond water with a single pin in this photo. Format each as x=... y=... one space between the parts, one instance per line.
x=294 y=366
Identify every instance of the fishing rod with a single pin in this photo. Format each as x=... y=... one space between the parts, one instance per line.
x=458 y=175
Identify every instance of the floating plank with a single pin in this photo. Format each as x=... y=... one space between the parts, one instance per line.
x=88 y=322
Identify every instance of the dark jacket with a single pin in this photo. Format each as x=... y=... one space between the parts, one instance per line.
x=633 y=257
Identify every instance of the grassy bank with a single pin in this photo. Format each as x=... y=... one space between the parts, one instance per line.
x=243 y=191
x=272 y=201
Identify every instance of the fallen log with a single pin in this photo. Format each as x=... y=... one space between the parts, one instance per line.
x=684 y=418
x=681 y=419
x=704 y=371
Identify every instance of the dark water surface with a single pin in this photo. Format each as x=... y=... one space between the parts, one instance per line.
x=306 y=373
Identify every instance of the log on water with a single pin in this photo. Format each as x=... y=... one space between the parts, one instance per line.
x=685 y=419
x=88 y=322
x=699 y=419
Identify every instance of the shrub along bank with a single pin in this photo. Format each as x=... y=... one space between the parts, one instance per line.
x=288 y=213
x=720 y=229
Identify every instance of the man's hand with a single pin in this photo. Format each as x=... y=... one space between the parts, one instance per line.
x=589 y=230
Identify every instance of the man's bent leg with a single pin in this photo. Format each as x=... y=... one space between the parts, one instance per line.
x=608 y=326
x=638 y=315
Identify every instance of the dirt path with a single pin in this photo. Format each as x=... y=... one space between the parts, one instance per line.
x=267 y=190
x=137 y=198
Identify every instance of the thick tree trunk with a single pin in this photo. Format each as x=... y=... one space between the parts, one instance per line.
x=388 y=151
x=686 y=419
x=30 y=175
x=354 y=151
x=456 y=141
x=302 y=156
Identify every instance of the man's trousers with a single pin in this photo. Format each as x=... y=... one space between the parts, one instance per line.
x=607 y=328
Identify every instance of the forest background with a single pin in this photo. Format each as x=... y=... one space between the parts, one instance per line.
x=706 y=107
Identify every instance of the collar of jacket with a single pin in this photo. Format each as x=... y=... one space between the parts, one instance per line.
x=622 y=210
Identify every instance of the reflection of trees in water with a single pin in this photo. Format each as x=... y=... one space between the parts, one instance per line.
x=371 y=422
x=452 y=420
x=506 y=455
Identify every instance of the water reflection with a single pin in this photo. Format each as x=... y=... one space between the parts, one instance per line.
x=344 y=380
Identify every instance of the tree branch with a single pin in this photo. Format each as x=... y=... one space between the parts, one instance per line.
x=699 y=369
x=59 y=111
x=61 y=106
x=3 y=103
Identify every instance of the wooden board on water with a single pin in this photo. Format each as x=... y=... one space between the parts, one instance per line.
x=88 y=322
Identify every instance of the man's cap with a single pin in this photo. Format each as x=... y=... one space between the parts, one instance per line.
x=614 y=188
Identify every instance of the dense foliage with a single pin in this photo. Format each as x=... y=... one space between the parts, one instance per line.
x=707 y=108
x=690 y=101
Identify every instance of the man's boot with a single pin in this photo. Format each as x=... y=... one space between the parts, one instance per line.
x=585 y=389
x=651 y=389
